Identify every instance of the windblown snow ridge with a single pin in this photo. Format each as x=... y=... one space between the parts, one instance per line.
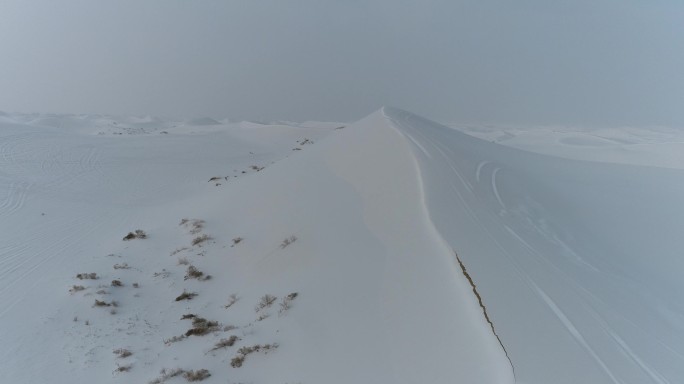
x=554 y=243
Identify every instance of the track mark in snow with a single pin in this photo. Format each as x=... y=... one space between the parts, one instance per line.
x=479 y=169
x=496 y=189
x=573 y=331
x=658 y=378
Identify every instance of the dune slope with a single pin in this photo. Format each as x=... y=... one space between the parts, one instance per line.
x=578 y=262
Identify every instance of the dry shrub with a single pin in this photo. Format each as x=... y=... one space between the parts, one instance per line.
x=239 y=359
x=76 y=288
x=198 y=375
x=194 y=273
x=87 y=276
x=137 y=234
x=166 y=375
x=174 y=339
x=121 y=266
x=286 y=303
x=117 y=283
x=225 y=343
x=99 y=303
x=202 y=326
x=194 y=226
x=200 y=239
x=186 y=296
x=288 y=241
x=122 y=353
x=123 y=368
x=232 y=299
x=265 y=302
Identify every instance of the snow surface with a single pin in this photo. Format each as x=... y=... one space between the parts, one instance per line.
x=577 y=262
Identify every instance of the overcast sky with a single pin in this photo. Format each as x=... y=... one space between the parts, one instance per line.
x=595 y=62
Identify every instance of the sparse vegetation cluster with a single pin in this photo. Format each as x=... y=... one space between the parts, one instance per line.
x=242 y=353
x=200 y=326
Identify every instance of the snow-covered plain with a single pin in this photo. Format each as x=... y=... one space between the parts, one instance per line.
x=577 y=263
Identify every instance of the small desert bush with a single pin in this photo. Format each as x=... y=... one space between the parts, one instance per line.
x=194 y=226
x=286 y=303
x=239 y=359
x=166 y=375
x=200 y=239
x=237 y=240
x=123 y=368
x=198 y=375
x=232 y=299
x=117 y=283
x=178 y=250
x=122 y=353
x=265 y=302
x=236 y=362
x=76 y=288
x=87 y=276
x=121 y=266
x=288 y=241
x=225 y=343
x=174 y=339
x=194 y=273
x=202 y=326
x=137 y=234
x=100 y=303
x=186 y=296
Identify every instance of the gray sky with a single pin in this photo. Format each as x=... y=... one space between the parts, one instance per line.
x=605 y=62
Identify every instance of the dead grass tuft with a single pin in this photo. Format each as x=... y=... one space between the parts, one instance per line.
x=186 y=296
x=232 y=299
x=225 y=343
x=200 y=239
x=76 y=288
x=287 y=241
x=137 y=234
x=87 y=276
x=198 y=375
x=286 y=303
x=165 y=375
x=122 y=353
x=265 y=302
x=194 y=273
x=202 y=326
x=239 y=359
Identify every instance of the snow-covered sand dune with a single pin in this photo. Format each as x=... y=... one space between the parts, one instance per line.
x=353 y=231
x=578 y=262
